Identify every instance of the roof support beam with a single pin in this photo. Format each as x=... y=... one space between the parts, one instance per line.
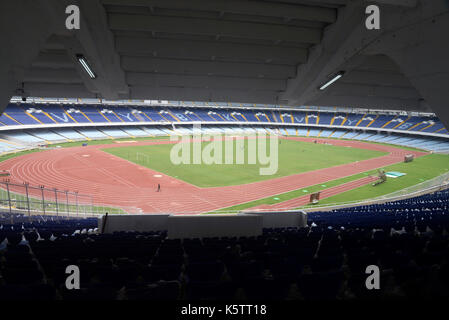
x=53 y=60
x=406 y=30
x=321 y=3
x=95 y=41
x=399 y=3
x=19 y=48
x=382 y=91
x=375 y=78
x=341 y=43
x=198 y=67
x=246 y=30
x=62 y=90
x=359 y=101
x=6 y=88
x=52 y=75
x=206 y=50
x=423 y=57
x=164 y=80
x=203 y=94
x=268 y=9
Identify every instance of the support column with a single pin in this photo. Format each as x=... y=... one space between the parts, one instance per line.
x=6 y=88
x=420 y=48
x=24 y=28
x=426 y=65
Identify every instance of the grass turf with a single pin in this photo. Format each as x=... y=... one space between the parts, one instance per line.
x=11 y=155
x=294 y=157
x=292 y=194
x=373 y=142
x=105 y=141
x=420 y=170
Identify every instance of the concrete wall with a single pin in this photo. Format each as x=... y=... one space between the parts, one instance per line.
x=199 y=226
x=282 y=219
x=137 y=222
x=196 y=226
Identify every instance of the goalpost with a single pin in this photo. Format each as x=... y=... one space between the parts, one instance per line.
x=138 y=157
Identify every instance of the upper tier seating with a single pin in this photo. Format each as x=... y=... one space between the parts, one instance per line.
x=41 y=114
x=107 y=119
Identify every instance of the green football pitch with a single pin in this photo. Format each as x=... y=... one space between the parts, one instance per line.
x=293 y=157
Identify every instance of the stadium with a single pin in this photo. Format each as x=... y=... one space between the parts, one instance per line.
x=251 y=150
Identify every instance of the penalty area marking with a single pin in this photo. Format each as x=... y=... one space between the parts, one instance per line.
x=126 y=141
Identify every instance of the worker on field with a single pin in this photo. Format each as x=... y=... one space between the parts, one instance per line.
x=158 y=187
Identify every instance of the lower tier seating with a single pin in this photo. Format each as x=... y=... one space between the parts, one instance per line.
x=408 y=240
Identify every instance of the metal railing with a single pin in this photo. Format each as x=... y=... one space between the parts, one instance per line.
x=40 y=200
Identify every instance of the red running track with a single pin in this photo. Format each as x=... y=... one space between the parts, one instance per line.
x=117 y=182
x=304 y=200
